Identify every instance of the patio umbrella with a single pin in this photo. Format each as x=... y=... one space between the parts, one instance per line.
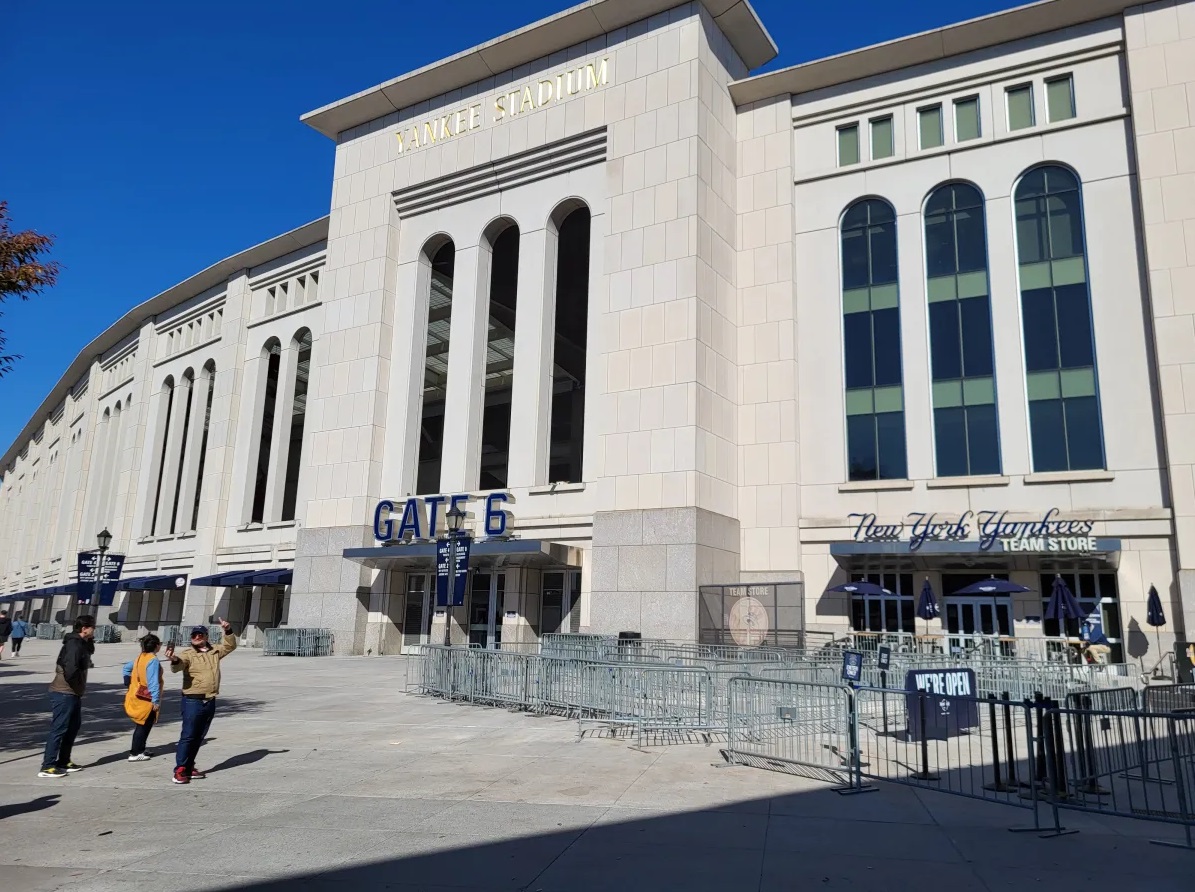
x=1155 y=615
x=992 y=586
x=1062 y=605
x=927 y=604
x=860 y=588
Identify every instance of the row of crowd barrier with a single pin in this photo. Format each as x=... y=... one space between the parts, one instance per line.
x=180 y=636
x=105 y=634
x=1116 y=752
x=298 y=642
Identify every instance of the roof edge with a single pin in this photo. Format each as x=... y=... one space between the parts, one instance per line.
x=928 y=46
x=737 y=19
x=279 y=246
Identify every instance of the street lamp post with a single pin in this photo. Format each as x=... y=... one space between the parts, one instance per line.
x=456 y=518
x=103 y=540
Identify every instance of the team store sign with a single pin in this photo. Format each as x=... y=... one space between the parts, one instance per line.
x=990 y=527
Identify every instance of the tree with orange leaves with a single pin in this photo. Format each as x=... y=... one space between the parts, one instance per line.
x=23 y=272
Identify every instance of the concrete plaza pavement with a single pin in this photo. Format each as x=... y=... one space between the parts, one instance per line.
x=324 y=774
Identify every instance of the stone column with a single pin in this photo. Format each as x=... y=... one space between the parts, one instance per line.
x=531 y=396
x=190 y=476
x=466 y=370
x=280 y=437
x=174 y=440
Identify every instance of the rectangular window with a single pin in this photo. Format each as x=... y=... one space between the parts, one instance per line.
x=848 y=145
x=881 y=138
x=894 y=612
x=1020 y=106
x=1060 y=98
x=929 y=124
x=966 y=118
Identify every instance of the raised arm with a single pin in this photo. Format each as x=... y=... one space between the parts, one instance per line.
x=228 y=643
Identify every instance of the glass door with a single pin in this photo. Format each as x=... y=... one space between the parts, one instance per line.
x=417 y=614
x=487 y=592
x=969 y=620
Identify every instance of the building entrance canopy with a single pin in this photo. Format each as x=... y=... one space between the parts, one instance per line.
x=268 y=576
x=485 y=552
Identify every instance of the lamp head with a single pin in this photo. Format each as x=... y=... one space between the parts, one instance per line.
x=456 y=519
x=104 y=539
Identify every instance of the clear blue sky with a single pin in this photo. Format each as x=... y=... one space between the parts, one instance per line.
x=154 y=139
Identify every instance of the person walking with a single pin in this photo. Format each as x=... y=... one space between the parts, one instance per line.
x=20 y=631
x=200 y=665
x=66 y=698
x=143 y=697
x=5 y=631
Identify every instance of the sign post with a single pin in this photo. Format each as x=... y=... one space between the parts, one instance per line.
x=884 y=662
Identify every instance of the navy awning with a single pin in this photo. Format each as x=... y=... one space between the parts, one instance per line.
x=265 y=576
x=168 y=582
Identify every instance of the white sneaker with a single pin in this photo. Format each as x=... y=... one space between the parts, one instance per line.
x=140 y=757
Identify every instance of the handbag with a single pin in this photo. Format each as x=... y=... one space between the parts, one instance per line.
x=142 y=692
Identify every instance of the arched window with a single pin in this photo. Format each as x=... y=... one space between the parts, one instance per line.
x=567 y=420
x=960 y=332
x=298 y=416
x=503 y=242
x=435 y=370
x=201 y=434
x=875 y=419
x=1064 y=417
x=272 y=356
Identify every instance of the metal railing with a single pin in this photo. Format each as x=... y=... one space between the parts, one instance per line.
x=298 y=642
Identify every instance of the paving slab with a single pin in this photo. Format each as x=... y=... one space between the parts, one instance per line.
x=325 y=774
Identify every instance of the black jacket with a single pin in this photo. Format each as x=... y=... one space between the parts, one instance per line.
x=70 y=672
x=5 y=628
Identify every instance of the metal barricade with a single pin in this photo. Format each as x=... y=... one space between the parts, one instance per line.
x=297 y=642
x=1168 y=698
x=645 y=699
x=499 y=678
x=50 y=631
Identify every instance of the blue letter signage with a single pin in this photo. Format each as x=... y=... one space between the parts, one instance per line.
x=422 y=517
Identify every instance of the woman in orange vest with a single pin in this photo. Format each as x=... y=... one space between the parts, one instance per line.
x=143 y=678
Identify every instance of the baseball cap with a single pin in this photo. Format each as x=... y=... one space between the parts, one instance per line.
x=198 y=630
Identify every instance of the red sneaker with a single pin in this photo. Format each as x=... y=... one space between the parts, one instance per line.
x=196 y=774
x=181 y=776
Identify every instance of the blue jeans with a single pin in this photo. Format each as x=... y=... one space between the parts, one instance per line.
x=66 y=717
x=197 y=718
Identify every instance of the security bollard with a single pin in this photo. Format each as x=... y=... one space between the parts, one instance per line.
x=997 y=785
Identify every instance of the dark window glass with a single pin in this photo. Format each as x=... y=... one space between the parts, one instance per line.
x=294 y=458
x=890 y=434
x=971 y=239
x=1031 y=231
x=1084 y=443
x=983 y=438
x=886 y=331
x=500 y=360
x=883 y=254
x=950 y=429
x=1049 y=435
x=857 y=344
x=1074 y=326
x=856 y=271
x=939 y=246
x=435 y=372
x=1041 y=338
x=267 y=432
x=945 y=347
x=976 y=325
x=1066 y=234
x=861 y=447
x=566 y=454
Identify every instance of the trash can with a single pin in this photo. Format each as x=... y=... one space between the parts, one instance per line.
x=629 y=636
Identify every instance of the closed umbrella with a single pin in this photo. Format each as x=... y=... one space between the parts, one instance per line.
x=1155 y=615
x=1062 y=605
x=927 y=604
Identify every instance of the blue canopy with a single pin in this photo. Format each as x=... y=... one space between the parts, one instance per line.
x=266 y=576
x=860 y=588
x=1062 y=605
x=992 y=586
x=927 y=604
x=168 y=582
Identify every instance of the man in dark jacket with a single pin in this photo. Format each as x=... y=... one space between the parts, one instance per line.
x=5 y=630
x=66 y=698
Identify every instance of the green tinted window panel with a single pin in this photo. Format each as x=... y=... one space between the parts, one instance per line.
x=1020 y=107
x=966 y=119
x=859 y=402
x=948 y=394
x=848 y=145
x=1070 y=271
x=888 y=399
x=979 y=391
x=857 y=300
x=1043 y=386
x=1060 y=99
x=942 y=288
x=881 y=138
x=929 y=122
x=884 y=297
x=1035 y=275
x=1078 y=382
x=973 y=284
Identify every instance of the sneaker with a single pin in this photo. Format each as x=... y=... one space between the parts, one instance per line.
x=196 y=774
x=71 y=767
x=140 y=757
x=181 y=776
x=52 y=771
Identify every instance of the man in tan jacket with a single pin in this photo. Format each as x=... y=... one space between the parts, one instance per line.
x=200 y=666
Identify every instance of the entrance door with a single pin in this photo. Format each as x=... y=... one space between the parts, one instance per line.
x=971 y=618
x=417 y=614
x=487 y=593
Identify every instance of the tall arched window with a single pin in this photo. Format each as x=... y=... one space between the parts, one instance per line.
x=435 y=368
x=298 y=416
x=209 y=377
x=503 y=241
x=960 y=331
x=567 y=419
x=875 y=418
x=1064 y=417
x=272 y=354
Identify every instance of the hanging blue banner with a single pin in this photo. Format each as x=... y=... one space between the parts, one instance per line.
x=443 y=571
x=89 y=566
